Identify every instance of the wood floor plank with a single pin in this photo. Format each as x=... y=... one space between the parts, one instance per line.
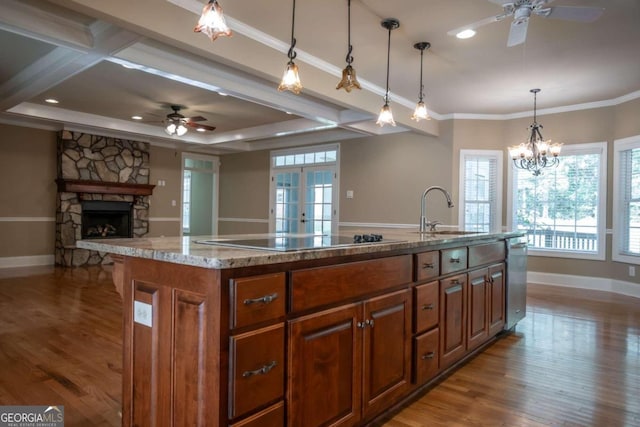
x=573 y=361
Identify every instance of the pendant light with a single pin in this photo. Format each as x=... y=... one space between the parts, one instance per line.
x=532 y=155
x=386 y=116
x=291 y=79
x=349 y=80
x=420 y=113
x=212 y=22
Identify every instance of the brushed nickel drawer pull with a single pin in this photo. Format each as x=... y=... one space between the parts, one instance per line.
x=260 y=371
x=429 y=355
x=427 y=307
x=428 y=265
x=361 y=325
x=369 y=323
x=264 y=300
x=454 y=260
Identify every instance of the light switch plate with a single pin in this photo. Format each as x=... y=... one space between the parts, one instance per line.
x=143 y=313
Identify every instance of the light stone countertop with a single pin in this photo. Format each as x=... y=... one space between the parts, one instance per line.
x=186 y=250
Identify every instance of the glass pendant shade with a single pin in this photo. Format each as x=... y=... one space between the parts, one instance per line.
x=175 y=127
x=420 y=113
x=386 y=116
x=291 y=79
x=349 y=80
x=212 y=22
x=535 y=154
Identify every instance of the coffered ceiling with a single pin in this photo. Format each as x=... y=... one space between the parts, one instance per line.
x=106 y=61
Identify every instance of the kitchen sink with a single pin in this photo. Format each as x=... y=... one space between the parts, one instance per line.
x=449 y=232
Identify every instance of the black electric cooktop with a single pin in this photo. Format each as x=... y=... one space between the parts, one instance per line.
x=298 y=243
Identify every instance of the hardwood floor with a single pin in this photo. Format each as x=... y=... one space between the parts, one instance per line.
x=573 y=361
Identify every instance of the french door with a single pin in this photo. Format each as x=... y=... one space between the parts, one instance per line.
x=304 y=200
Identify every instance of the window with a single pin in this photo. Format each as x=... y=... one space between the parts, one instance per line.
x=304 y=190
x=563 y=209
x=480 y=192
x=626 y=200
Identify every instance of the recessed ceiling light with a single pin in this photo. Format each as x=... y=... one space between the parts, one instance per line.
x=136 y=117
x=51 y=101
x=200 y=129
x=222 y=94
x=466 y=34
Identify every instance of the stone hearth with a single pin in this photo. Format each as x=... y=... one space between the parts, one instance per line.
x=98 y=168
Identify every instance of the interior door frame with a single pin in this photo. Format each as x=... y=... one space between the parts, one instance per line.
x=216 y=183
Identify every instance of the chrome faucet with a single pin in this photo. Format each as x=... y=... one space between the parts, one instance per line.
x=424 y=223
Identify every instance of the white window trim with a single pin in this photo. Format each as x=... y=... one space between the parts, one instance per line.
x=620 y=145
x=216 y=188
x=301 y=150
x=589 y=147
x=498 y=155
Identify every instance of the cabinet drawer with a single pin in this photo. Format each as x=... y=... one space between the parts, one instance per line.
x=257 y=299
x=426 y=308
x=273 y=416
x=453 y=260
x=427 y=265
x=487 y=253
x=315 y=287
x=256 y=366
x=426 y=356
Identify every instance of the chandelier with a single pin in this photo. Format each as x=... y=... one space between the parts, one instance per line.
x=535 y=154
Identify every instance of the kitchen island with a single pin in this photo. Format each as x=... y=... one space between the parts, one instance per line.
x=306 y=331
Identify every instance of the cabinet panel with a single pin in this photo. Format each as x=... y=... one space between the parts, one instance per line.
x=452 y=260
x=478 y=316
x=427 y=265
x=325 y=368
x=426 y=356
x=257 y=299
x=496 y=298
x=256 y=369
x=426 y=307
x=453 y=320
x=315 y=287
x=387 y=350
x=273 y=416
x=486 y=253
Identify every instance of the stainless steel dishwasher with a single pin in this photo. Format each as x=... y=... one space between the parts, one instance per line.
x=516 y=280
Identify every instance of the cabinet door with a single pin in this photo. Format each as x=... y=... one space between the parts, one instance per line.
x=478 y=309
x=387 y=350
x=426 y=356
x=453 y=320
x=496 y=299
x=325 y=368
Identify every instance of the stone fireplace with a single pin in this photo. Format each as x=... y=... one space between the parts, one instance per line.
x=103 y=192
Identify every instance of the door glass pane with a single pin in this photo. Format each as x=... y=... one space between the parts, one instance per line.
x=318 y=204
x=286 y=214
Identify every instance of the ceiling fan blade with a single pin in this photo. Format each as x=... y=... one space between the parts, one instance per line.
x=477 y=24
x=501 y=2
x=518 y=32
x=573 y=13
x=199 y=126
x=196 y=119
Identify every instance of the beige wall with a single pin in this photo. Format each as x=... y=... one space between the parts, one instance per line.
x=27 y=191
x=165 y=164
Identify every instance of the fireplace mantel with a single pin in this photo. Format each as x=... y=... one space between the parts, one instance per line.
x=100 y=187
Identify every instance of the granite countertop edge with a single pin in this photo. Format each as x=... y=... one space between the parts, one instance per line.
x=185 y=250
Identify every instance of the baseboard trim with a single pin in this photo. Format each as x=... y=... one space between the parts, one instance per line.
x=583 y=282
x=27 y=261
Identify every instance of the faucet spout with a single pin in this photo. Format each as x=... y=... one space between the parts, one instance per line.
x=424 y=223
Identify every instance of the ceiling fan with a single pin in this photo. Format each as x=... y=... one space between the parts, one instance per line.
x=521 y=10
x=177 y=124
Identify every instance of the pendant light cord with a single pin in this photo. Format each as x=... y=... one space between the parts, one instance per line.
x=386 y=95
x=421 y=85
x=292 y=53
x=349 y=58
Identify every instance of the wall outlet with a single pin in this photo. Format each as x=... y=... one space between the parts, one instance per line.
x=632 y=271
x=173 y=203
x=143 y=313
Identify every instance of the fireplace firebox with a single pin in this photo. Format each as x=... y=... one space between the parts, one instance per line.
x=103 y=219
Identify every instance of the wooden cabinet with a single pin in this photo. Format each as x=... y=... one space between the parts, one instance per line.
x=257 y=299
x=453 y=260
x=358 y=355
x=453 y=319
x=427 y=265
x=426 y=306
x=486 y=309
x=497 y=307
x=426 y=356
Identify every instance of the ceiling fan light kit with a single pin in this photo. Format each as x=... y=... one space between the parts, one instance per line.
x=212 y=22
x=535 y=154
x=175 y=124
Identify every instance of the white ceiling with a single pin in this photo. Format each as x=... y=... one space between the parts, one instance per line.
x=73 y=50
